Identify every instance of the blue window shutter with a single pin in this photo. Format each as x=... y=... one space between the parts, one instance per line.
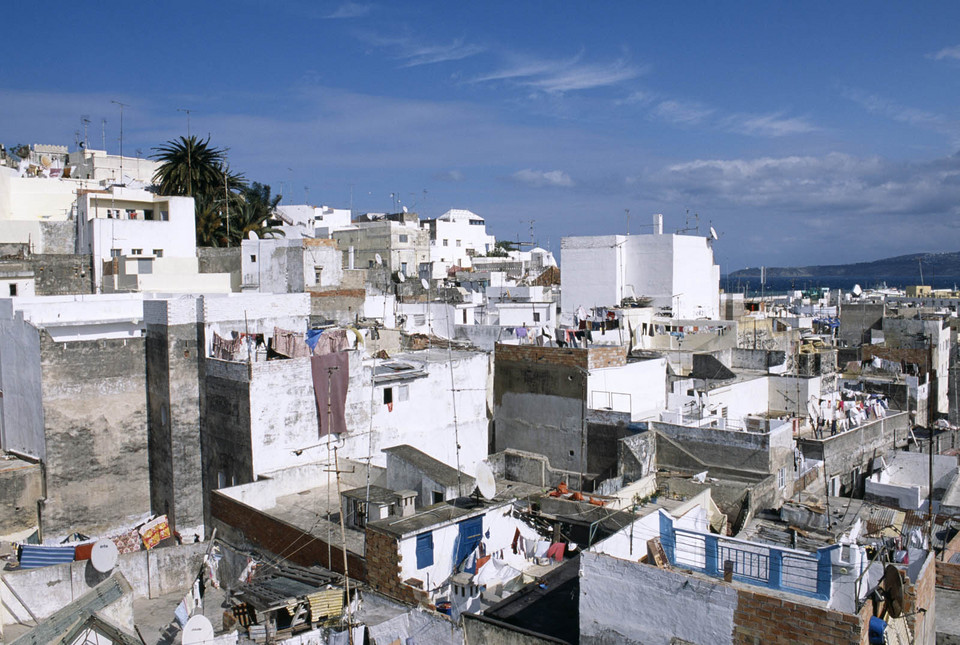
x=425 y=550
x=471 y=532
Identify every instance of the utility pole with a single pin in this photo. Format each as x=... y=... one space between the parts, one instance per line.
x=343 y=538
x=122 y=105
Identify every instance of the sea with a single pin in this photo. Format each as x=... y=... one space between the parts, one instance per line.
x=774 y=286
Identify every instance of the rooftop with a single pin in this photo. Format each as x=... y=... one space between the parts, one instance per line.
x=442 y=513
x=432 y=468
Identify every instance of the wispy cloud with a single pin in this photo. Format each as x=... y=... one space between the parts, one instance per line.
x=681 y=112
x=769 y=125
x=541 y=178
x=905 y=114
x=449 y=175
x=559 y=76
x=952 y=53
x=350 y=10
x=412 y=52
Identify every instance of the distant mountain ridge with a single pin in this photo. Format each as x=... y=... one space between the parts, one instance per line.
x=939 y=265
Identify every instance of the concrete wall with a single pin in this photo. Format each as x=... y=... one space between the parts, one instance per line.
x=173 y=395
x=21 y=409
x=21 y=485
x=221 y=260
x=673 y=605
x=272 y=265
x=95 y=428
x=591 y=273
x=151 y=574
x=482 y=629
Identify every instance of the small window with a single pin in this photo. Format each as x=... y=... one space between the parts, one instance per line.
x=403 y=268
x=147 y=213
x=425 y=550
x=158 y=253
x=403 y=238
x=317 y=272
x=782 y=478
x=221 y=479
x=131 y=214
x=387 y=395
x=115 y=253
x=136 y=251
x=13 y=289
x=253 y=258
x=437 y=496
x=370 y=264
x=403 y=393
x=446 y=242
x=458 y=242
x=536 y=316
x=164 y=216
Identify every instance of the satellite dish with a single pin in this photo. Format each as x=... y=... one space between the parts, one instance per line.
x=486 y=483
x=857 y=290
x=103 y=556
x=425 y=284
x=252 y=235
x=713 y=233
x=404 y=209
x=197 y=630
x=45 y=161
x=893 y=586
x=401 y=277
x=378 y=259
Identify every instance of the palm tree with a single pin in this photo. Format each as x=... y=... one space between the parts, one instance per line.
x=254 y=213
x=191 y=166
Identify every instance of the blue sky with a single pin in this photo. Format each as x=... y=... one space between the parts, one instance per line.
x=805 y=133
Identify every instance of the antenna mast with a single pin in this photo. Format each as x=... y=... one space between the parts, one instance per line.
x=122 y=105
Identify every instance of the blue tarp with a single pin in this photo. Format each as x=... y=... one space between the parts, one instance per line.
x=33 y=556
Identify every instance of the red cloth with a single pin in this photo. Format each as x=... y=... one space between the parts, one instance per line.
x=482 y=561
x=83 y=551
x=556 y=551
x=516 y=539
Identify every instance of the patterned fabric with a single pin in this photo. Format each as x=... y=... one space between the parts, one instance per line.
x=154 y=531
x=128 y=542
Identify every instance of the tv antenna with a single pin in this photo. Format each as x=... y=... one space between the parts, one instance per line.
x=85 y=120
x=103 y=133
x=687 y=228
x=187 y=111
x=122 y=105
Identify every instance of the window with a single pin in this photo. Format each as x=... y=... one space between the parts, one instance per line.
x=253 y=258
x=445 y=242
x=425 y=550
x=464 y=316
x=536 y=316
x=403 y=393
x=403 y=238
x=164 y=216
x=158 y=253
x=403 y=268
x=147 y=213
x=115 y=253
x=221 y=479
x=317 y=271
x=437 y=497
x=13 y=289
x=782 y=478
x=458 y=242
x=387 y=395
x=136 y=251
x=131 y=214
x=370 y=264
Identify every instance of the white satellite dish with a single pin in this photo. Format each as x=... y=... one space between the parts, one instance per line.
x=713 y=233
x=103 y=556
x=45 y=161
x=252 y=235
x=857 y=290
x=404 y=209
x=378 y=259
x=486 y=483
x=197 y=630
x=401 y=277
x=425 y=284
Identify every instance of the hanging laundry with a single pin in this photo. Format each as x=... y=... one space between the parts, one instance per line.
x=289 y=343
x=357 y=335
x=154 y=531
x=556 y=551
x=332 y=341
x=312 y=338
x=516 y=538
x=331 y=376
x=225 y=349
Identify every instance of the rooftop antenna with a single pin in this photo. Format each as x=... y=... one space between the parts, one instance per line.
x=188 y=111
x=686 y=227
x=103 y=133
x=920 y=264
x=627 y=211
x=139 y=152
x=85 y=120
x=122 y=105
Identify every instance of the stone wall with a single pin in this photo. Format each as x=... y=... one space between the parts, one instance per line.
x=20 y=488
x=95 y=428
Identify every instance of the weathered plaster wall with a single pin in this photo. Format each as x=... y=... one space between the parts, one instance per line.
x=221 y=260
x=95 y=428
x=20 y=487
x=629 y=602
x=21 y=410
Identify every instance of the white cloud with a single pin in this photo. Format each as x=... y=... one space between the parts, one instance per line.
x=350 y=10
x=559 y=76
x=770 y=125
x=681 y=112
x=952 y=53
x=449 y=175
x=541 y=178
x=905 y=114
x=413 y=53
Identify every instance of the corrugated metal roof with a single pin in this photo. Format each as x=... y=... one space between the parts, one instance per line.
x=33 y=556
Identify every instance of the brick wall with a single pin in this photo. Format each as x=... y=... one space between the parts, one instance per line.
x=278 y=537
x=917 y=595
x=591 y=358
x=383 y=562
x=770 y=620
x=948 y=573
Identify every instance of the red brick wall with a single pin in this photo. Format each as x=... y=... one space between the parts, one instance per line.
x=948 y=574
x=282 y=539
x=774 y=621
x=383 y=562
x=591 y=358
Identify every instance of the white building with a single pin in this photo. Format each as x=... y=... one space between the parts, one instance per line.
x=314 y=221
x=142 y=242
x=455 y=238
x=677 y=272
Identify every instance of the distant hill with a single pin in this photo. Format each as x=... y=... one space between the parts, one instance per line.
x=938 y=265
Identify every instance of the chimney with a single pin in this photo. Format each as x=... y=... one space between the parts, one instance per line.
x=408 y=500
x=658 y=224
